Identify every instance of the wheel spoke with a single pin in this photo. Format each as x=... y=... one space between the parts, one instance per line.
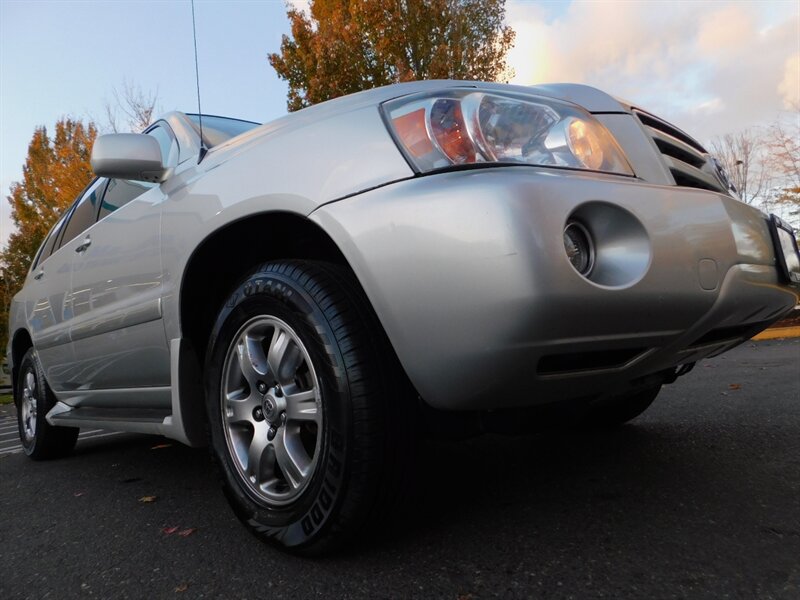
x=30 y=382
x=240 y=411
x=284 y=356
x=302 y=406
x=256 y=453
x=289 y=455
x=252 y=361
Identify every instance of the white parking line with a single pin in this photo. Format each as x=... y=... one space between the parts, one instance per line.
x=100 y=435
x=89 y=435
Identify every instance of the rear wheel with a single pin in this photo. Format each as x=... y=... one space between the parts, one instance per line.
x=40 y=440
x=307 y=423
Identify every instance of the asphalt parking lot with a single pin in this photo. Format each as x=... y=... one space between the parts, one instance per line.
x=700 y=497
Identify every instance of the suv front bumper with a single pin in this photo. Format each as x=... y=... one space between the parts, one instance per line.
x=468 y=274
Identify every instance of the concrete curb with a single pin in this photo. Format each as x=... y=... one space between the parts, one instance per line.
x=777 y=333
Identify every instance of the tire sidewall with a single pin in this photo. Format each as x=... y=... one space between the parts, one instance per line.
x=307 y=518
x=30 y=363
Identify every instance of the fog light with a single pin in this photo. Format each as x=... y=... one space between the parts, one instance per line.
x=579 y=247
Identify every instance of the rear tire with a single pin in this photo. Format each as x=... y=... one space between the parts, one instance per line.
x=308 y=422
x=40 y=440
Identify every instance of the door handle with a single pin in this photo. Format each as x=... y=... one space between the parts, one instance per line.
x=39 y=274
x=86 y=243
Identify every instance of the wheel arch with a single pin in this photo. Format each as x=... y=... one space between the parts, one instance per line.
x=243 y=243
x=20 y=342
x=260 y=238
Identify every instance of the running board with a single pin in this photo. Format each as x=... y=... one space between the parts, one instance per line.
x=142 y=420
x=183 y=421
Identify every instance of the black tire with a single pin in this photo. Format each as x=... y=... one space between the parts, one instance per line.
x=617 y=411
x=365 y=438
x=34 y=399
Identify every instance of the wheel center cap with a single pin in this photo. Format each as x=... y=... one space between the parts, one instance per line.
x=272 y=406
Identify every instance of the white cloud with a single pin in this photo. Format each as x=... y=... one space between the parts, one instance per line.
x=709 y=107
x=710 y=67
x=789 y=87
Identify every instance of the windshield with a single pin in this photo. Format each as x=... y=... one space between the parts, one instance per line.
x=217 y=130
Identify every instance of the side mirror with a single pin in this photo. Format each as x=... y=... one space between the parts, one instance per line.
x=134 y=156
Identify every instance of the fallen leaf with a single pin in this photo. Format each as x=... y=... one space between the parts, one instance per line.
x=170 y=530
x=159 y=446
x=147 y=499
x=735 y=386
x=187 y=532
x=182 y=588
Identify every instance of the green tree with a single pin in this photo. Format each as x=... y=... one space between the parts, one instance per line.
x=345 y=46
x=56 y=169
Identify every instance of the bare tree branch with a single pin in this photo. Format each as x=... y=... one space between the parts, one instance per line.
x=137 y=108
x=743 y=155
x=783 y=146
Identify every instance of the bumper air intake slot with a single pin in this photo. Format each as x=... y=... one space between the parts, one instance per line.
x=574 y=362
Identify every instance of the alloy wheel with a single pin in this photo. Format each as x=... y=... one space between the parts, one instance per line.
x=271 y=409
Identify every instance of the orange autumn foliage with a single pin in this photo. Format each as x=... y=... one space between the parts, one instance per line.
x=56 y=170
x=345 y=46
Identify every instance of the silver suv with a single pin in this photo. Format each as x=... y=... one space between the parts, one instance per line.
x=309 y=295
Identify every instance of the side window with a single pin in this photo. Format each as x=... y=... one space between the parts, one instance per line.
x=47 y=246
x=120 y=192
x=83 y=215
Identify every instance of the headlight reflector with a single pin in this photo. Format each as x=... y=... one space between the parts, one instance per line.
x=465 y=126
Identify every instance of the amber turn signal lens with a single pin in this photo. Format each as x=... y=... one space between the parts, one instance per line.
x=412 y=132
x=584 y=144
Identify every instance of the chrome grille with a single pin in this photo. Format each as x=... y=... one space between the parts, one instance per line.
x=689 y=163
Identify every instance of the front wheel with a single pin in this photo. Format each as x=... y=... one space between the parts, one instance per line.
x=306 y=422
x=40 y=440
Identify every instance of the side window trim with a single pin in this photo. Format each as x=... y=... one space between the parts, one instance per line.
x=101 y=195
x=170 y=133
x=68 y=215
x=51 y=236
x=59 y=243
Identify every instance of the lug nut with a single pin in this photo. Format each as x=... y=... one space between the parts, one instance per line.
x=262 y=387
x=283 y=418
x=271 y=433
x=278 y=390
x=258 y=414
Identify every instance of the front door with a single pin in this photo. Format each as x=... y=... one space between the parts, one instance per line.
x=117 y=332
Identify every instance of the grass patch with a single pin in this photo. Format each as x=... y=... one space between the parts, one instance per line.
x=6 y=399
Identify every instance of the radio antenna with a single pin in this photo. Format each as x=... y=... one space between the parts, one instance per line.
x=203 y=148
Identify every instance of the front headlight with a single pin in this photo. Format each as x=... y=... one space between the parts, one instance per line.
x=465 y=126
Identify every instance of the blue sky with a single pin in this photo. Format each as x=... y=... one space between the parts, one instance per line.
x=710 y=66
x=65 y=58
